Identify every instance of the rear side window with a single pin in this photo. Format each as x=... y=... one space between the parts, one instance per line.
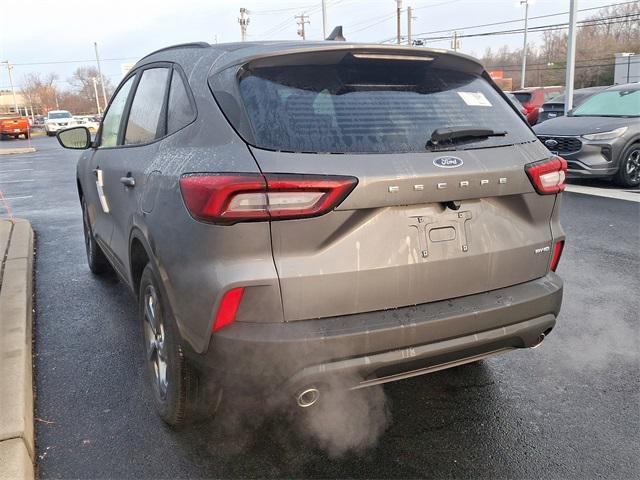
x=372 y=106
x=146 y=122
x=180 y=112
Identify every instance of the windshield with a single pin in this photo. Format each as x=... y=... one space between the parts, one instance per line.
x=371 y=107
x=612 y=103
x=56 y=115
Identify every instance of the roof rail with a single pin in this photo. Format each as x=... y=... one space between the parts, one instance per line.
x=180 y=45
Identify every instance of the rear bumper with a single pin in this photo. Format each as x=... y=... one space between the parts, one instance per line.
x=382 y=346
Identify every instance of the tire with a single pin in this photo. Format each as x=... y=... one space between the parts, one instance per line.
x=629 y=172
x=26 y=136
x=172 y=381
x=98 y=263
x=50 y=134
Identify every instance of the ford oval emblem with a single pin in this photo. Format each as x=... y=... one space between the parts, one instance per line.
x=551 y=143
x=448 y=162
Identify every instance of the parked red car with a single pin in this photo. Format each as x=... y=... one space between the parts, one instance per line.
x=14 y=126
x=532 y=99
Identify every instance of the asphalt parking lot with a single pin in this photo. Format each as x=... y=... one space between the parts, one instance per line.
x=569 y=409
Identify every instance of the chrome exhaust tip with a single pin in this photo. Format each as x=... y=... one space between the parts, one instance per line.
x=308 y=397
x=538 y=341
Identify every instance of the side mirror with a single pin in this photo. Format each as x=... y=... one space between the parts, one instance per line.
x=75 y=138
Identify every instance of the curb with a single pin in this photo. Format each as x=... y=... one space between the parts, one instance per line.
x=16 y=150
x=17 y=451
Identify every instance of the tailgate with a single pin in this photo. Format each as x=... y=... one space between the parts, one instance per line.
x=393 y=242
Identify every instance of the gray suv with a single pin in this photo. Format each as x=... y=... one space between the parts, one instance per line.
x=291 y=213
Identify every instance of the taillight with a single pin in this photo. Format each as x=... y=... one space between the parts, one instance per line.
x=557 y=252
x=231 y=198
x=548 y=176
x=228 y=308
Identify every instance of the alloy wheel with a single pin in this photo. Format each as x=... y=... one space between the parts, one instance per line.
x=156 y=347
x=633 y=166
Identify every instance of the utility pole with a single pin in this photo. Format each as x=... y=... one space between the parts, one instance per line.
x=455 y=43
x=95 y=90
x=104 y=91
x=409 y=20
x=398 y=12
x=571 y=56
x=13 y=90
x=524 y=46
x=244 y=22
x=301 y=20
x=324 y=19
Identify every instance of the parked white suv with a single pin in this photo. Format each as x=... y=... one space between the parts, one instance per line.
x=57 y=120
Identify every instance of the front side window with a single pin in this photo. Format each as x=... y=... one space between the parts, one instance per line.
x=146 y=122
x=612 y=103
x=377 y=107
x=113 y=117
x=180 y=111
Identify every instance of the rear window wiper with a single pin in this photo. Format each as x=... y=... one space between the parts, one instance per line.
x=443 y=137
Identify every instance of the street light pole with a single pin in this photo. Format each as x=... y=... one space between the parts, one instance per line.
x=324 y=19
x=571 y=56
x=104 y=92
x=398 y=12
x=95 y=90
x=13 y=90
x=524 y=46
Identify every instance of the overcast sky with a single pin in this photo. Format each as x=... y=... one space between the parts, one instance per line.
x=42 y=32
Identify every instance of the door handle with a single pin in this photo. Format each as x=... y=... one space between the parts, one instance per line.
x=95 y=171
x=128 y=182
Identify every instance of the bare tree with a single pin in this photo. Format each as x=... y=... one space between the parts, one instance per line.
x=82 y=84
x=40 y=91
x=611 y=30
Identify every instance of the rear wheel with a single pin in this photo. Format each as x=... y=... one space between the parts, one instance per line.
x=96 y=259
x=629 y=173
x=26 y=135
x=172 y=381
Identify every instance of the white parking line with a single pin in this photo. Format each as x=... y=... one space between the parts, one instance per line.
x=18 y=198
x=16 y=181
x=605 y=192
x=19 y=170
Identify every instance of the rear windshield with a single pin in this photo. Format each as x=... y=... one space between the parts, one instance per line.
x=523 y=97
x=372 y=107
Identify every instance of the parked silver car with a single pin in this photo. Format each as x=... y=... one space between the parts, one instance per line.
x=288 y=213
x=601 y=137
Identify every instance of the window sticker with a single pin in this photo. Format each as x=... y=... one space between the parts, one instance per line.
x=475 y=99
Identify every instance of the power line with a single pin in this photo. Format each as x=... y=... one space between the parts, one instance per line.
x=543 y=28
x=504 y=22
x=75 y=61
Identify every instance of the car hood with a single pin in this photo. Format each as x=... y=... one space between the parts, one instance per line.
x=580 y=125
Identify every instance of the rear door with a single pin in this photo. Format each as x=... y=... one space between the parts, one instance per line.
x=423 y=223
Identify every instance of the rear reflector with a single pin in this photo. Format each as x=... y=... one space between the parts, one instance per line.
x=548 y=176
x=228 y=308
x=231 y=198
x=557 y=252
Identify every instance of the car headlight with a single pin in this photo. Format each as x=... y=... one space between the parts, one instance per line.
x=618 y=132
x=541 y=110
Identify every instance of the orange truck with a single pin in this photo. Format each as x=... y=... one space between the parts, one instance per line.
x=13 y=126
